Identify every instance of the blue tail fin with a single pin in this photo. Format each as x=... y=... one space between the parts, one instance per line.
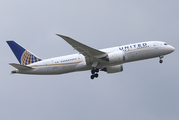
x=24 y=57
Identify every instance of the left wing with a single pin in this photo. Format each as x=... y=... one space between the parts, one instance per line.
x=87 y=51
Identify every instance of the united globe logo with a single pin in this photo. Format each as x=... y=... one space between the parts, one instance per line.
x=28 y=58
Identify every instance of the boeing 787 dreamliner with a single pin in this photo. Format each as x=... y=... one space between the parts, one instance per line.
x=110 y=60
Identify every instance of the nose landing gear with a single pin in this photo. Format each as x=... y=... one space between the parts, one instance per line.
x=161 y=61
x=94 y=73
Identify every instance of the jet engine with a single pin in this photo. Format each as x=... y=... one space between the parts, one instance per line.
x=113 y=69
x=116 y=57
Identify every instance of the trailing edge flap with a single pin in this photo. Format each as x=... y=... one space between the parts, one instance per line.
x=20 y=67
x=83 y=49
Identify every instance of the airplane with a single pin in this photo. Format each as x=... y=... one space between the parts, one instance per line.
x=109 y=60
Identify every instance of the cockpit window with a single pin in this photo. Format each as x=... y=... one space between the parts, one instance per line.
x=165 y=44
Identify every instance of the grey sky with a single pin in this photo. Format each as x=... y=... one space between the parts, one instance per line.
x=144 y=90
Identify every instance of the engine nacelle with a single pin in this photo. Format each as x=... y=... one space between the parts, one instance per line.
x=116 y=57
x=114 y=69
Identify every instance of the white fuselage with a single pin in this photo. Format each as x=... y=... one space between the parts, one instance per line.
x=77 y=62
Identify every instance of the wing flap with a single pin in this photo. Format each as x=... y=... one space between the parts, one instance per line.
x=20 y=67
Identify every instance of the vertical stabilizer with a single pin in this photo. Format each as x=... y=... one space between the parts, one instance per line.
x=23 y=56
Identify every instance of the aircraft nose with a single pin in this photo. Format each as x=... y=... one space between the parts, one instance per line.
x=172 y=49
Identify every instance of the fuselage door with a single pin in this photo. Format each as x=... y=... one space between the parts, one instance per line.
x=156 y=45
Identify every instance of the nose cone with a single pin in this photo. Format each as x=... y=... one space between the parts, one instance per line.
x=172 y=49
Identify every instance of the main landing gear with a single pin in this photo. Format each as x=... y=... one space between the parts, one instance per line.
x=161 y=61
x=94 y=73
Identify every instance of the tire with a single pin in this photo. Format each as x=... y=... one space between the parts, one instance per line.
x=96 y=70
x=96 y=75
x=161 y=61
x=92 y=77
x=92 y=71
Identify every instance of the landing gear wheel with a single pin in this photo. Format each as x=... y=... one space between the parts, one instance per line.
x=92 y=77
x=97 y=70
x=93 y=71
x=96 y=75
x=161 y=61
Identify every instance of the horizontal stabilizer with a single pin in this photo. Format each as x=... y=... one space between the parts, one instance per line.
x=20 y=67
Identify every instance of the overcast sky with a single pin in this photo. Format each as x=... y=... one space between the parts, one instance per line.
x=145 y=90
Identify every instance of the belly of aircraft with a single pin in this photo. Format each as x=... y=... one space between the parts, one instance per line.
x=142 y=54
